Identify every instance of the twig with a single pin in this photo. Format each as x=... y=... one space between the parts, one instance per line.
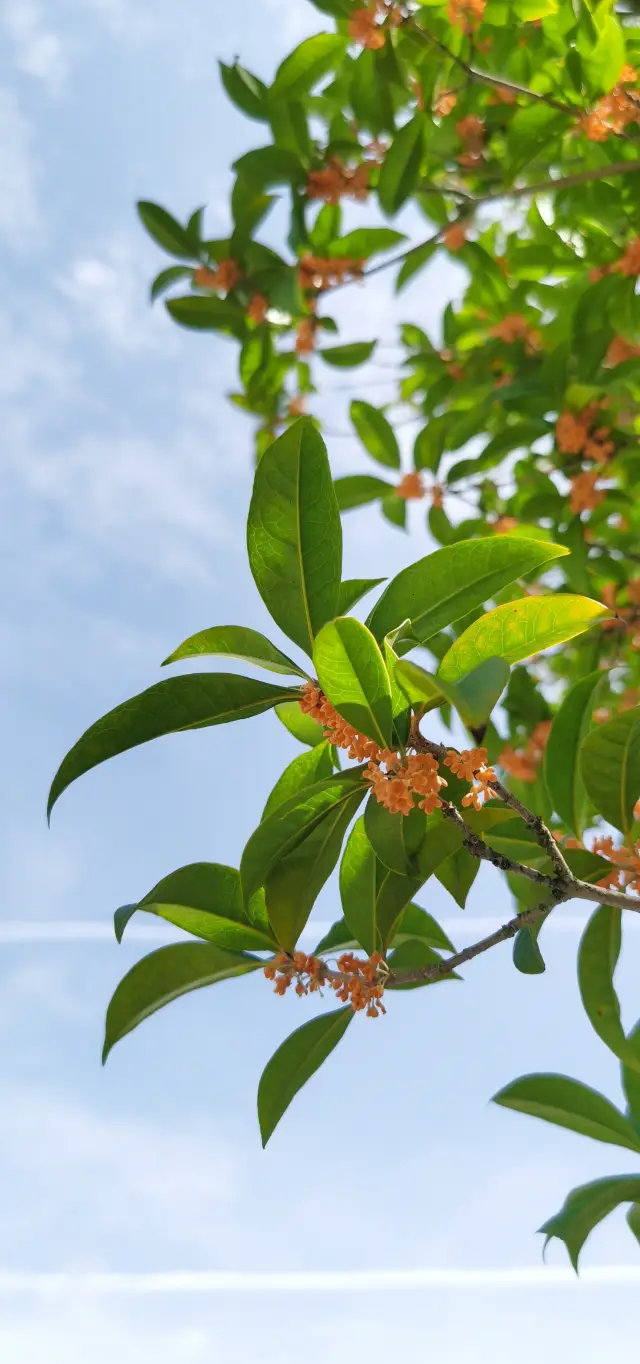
x=478 y=848
x=538 y=827
x=437 y=970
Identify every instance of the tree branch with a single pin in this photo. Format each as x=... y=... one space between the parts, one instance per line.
x=444 y=968
x=478 y=848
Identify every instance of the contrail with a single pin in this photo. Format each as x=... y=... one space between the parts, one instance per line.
x=95 y=931
x=348 y=1281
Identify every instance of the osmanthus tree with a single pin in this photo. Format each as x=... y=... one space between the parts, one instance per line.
x=526 y=619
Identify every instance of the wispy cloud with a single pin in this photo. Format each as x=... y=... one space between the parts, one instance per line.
x=20 y=216
x=321 y=1282
x=109 y=290
x=37 y=50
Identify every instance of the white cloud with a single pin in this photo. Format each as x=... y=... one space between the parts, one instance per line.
x=110 y=291
x=95 y=1180
x=36 y=49
x=20 y=218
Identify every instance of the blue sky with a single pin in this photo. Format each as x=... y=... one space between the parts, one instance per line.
x=125 y=479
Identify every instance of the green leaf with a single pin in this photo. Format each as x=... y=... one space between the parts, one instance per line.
x=305 y=729
x=294 y=535
x=410 y=957
x=401 y=166
x=245 y=90
x=205 y=899
x=352 y=590
x=168 y=277
x=376 y=434
x=209 y=314
x=562 y=775
x=306 y=770
x=236 y=641
x=603 y=63
x=267 y=167
x=291 y=823
x=352 y=673
x=364 y=242
x=165 y=975
x=347 y=357
x=167 y=231
x=338 y=939
x=445 y=586
x=457 y=874
x=394 y=509
x=307 y=64
x=179 y=703
x=357 y=490
x=586 y=1207
x=568 y=1103
x=396 y=839
x=393 y=896
x=414 y=922
x=474 y=697
x=294 y=883
x=520 y=629
x=299 y=1057
x=358 y=890
x=527 y=956
x=534 y=9
x=631 y=1079
x=597 y=961
x=610 y=768
x=633 y=1220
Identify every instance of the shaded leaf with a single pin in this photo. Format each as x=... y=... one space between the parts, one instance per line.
x=586 y=1207
x=348 y=356
x=307 y=64
x=299 y=1057
x=303 y=727
x=179 y=703
x=597 y=961
x=610 y=768
x=562 y=775
x=294 y=535
x=445 y=586
x=315 y=765
x=411 y=956
x=358 y=889
x=165 y=975
x=291 y=823
x=401 y=165
x=167 y=231
x=294 y=883
x=205 y=899
x=457 y=874
x=376 y=433
x=357 y=490
x=166 y=278
x=236 y=641
x=352 y=590
x=568 y=1103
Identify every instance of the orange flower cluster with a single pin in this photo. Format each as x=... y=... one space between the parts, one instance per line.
x=309 y=973
x=364 y=28
x=445 y=103
x=313 y=702
x=466 y=14
x=417 y=774
x=524 y=763
x=629 y=263
x=504 y=524
x=574 y=435
x=625 y=874
x=437 y=496
x=403 y=778
x=297 y=406
x=225 y=276
x=614 y=111
x=411 y=488
x=584 y=494
x=363 y=989
x=471 y=131
x=454 y=237
x=318 y=272
x=515 y=327
x=471 y=765
x=620 y=350
x=258 y=309
x=337 y=181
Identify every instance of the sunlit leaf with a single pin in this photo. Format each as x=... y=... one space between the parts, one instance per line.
x=205 y=899
x=520 y=629
x=352 y=673
x=568 y=1103
x=236 y=641
x=376 y=434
